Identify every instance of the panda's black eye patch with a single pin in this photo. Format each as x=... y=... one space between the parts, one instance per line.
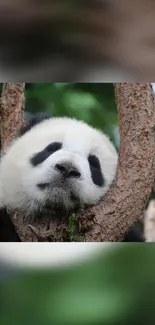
x=52 y=147
x=41 y=156
x=94 y=161
x=95 y=169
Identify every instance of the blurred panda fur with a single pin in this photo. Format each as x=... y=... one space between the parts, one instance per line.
x=88 y=41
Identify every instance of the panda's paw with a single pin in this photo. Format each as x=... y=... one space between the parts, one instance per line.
x=149 y=222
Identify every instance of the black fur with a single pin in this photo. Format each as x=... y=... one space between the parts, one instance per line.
x=135 y=234
x=7 y=229
x=39 y=157
x=34 y=120
x=95 y=169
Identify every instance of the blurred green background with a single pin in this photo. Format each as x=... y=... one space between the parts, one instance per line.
x=91 y=102
x=116 y=288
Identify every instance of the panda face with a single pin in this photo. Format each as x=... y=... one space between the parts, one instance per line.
x=60 y=163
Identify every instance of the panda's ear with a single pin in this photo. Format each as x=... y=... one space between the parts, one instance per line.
x=34 y=120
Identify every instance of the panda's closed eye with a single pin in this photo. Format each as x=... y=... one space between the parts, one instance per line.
x=95 y=170
x=41 y=156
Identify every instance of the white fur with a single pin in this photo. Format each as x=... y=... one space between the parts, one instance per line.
x=18 y=178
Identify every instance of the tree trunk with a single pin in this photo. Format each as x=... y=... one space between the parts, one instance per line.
x=11 y=111
x=125 y=202
x=12 y=119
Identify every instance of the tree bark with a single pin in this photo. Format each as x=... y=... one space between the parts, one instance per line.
x=125 y=202
x=11 y=111
x=12 y=119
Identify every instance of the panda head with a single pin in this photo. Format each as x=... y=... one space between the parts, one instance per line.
x=56 y=163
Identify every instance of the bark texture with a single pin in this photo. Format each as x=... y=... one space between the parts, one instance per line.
x=11 y=111
x=12 y=119
x=125 y=202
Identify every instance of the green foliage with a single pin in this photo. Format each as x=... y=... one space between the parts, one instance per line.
x=91 y=102
x=72 y=223
x=72 y=228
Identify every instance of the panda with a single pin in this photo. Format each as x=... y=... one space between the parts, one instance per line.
x=54 y=164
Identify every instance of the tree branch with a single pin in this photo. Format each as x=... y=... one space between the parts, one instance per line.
x=125 y=202
x=12 y=119
x=11 y=111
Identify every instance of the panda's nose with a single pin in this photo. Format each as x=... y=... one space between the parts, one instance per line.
x=67 y=170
